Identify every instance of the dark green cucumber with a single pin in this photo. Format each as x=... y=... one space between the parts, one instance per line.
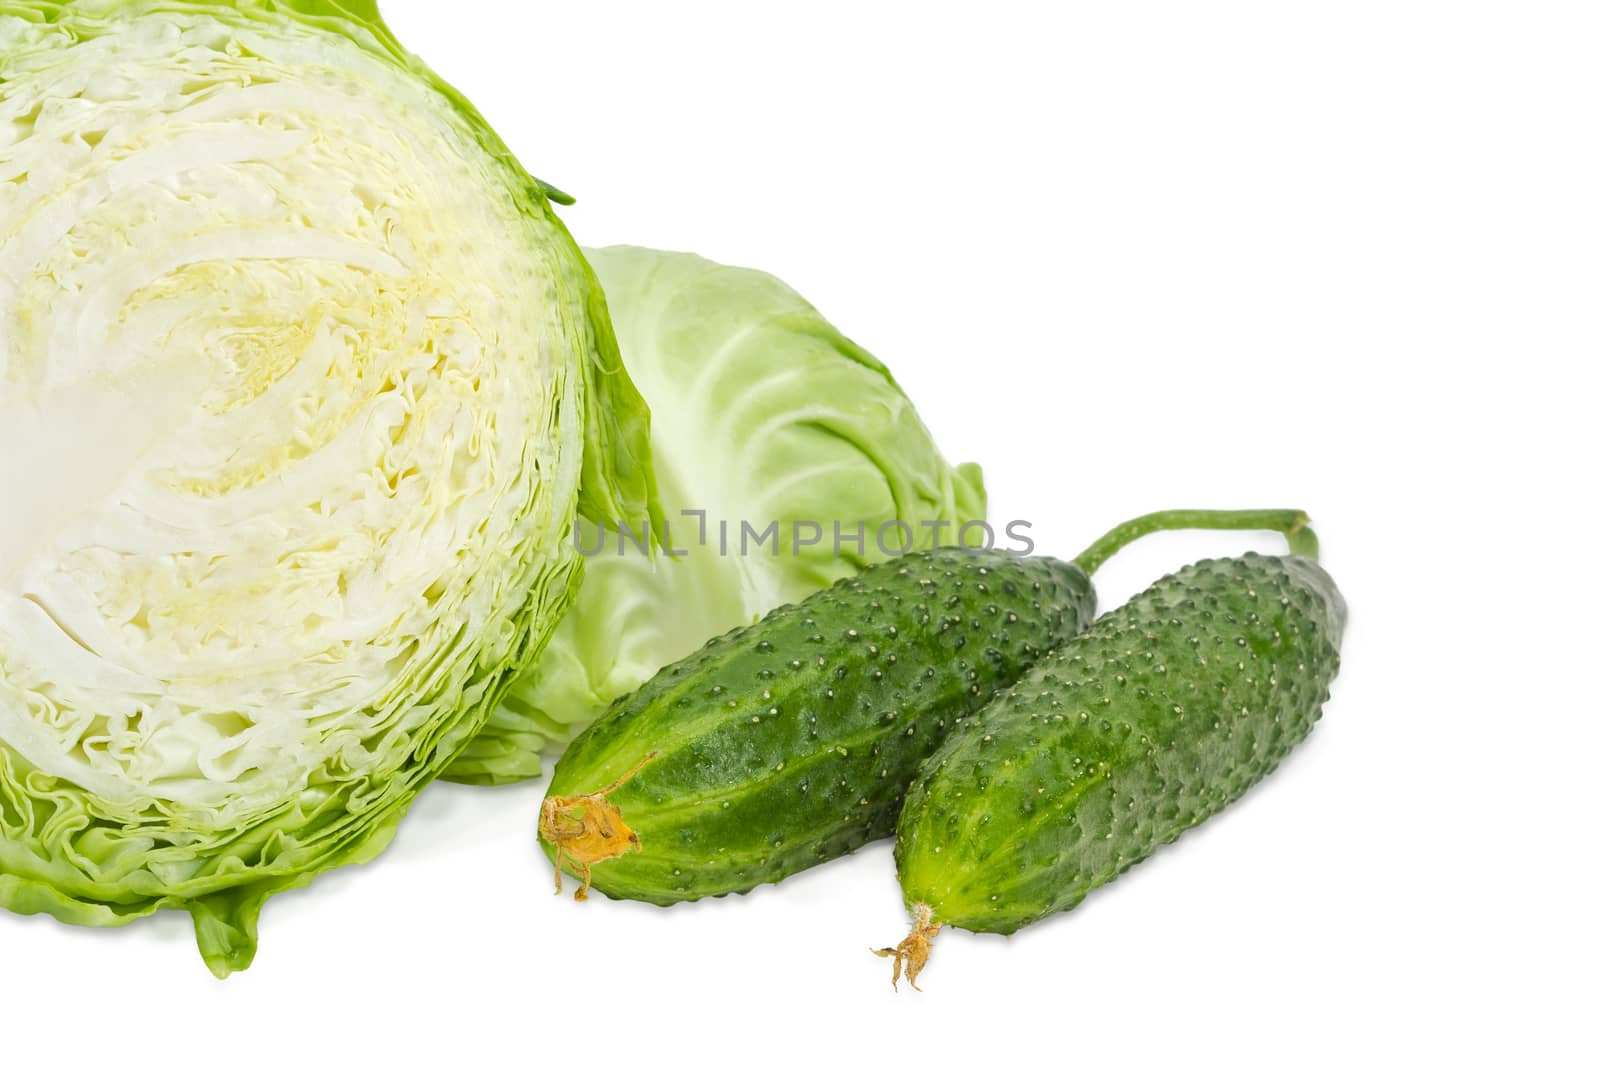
x=1161 y=713
x=792 y=741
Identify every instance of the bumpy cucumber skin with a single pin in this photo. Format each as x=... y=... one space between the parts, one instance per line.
x=1161 y=713
x=792 y=741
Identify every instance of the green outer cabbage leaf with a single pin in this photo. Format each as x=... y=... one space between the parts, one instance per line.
x=762 y=412
x=302 y=385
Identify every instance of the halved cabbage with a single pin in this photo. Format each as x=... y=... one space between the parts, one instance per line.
x=764 y=414
x=297 y=369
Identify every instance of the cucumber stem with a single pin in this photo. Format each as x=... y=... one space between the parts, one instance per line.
x=1294 y=525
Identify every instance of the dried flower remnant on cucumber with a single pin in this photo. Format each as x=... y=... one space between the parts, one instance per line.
x=586 y=830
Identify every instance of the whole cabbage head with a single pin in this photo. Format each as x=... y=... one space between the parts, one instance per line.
x=769 y=426
x=297 y=375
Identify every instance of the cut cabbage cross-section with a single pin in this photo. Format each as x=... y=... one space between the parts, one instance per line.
x=297 y=370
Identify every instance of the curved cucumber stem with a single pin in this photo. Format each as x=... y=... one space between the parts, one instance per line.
x=1294 y=525
x=1302 y=542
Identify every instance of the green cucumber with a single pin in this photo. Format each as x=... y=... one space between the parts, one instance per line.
x=792 y=741
x=1160 y=714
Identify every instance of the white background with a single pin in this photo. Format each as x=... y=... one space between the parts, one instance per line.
x=1339 y=257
